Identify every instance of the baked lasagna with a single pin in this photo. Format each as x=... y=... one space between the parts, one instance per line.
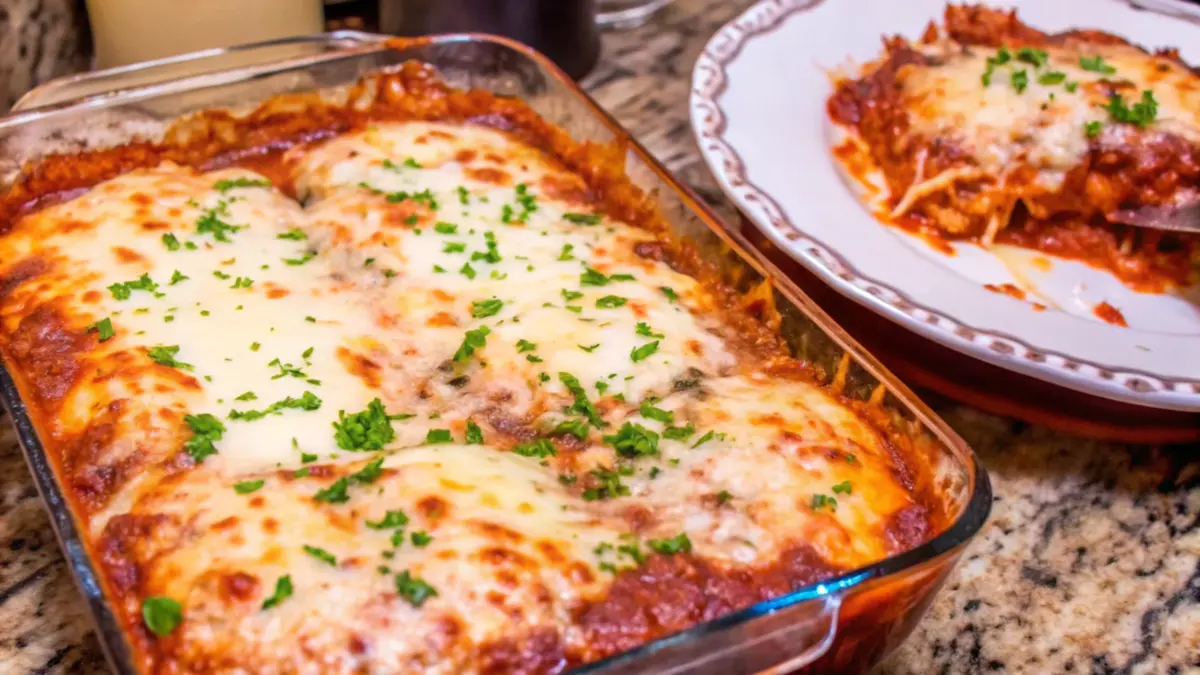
x=420 y=386
x=990 y=130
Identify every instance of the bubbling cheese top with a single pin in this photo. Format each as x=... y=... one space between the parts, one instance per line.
x=443 y=404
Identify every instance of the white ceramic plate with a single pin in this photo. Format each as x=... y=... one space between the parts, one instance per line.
x=758 y=111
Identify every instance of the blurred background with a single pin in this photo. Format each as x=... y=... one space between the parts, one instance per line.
x=44 y=39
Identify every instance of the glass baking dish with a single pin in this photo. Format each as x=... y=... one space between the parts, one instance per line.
x=844 y=624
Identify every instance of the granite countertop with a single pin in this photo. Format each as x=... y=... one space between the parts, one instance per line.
x=1090 y=562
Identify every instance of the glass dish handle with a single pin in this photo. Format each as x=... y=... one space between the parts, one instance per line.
x=213 y=66
x=776 y=642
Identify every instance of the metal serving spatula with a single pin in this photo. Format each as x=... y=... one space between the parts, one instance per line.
x=1174 y=218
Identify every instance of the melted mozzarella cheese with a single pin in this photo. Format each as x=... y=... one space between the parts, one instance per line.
x=1040 y=120
x=460 y=277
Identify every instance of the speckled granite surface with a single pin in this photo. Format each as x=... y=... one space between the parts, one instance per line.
x=1090 y=563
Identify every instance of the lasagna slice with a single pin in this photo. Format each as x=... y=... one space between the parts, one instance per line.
x=989 y=130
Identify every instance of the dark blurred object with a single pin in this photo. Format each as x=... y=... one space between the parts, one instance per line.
x=564 y=30
x=352 y=15
x=39 y=41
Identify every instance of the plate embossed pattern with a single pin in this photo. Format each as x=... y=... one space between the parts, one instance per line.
x=710 y=122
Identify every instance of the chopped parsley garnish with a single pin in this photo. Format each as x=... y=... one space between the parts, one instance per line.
x=205 y=429
x=474 y=339
x=245 y=487
x=170 y=242
x=321 y=554
x=581 y=406
x=1096 y=64
x=842 y=488
x=644 y=330
x=1020 y=80
x=1092 y=129
x=570 y=295
x=391 y=520
x=369 y=473
x=335 y=493
x=577 y=428
x=293 y=234
x=421 y=539
x=442 y=227
x=161 y=615
x=467 y=271
x=485 y=308
x=1071 y=86
x=220 y=275
x=589 y=348
x=634 y=440
x=307 y=401
x=1035 y=57
x=122 y=291
x=164 y=355
x=474 y=434
x=609 y=485
x=525 y=346
x=177 y=277
x=533 y=358
x=679 y=433
x=592 y=277
x=1002 y=57
x=103 y=329
x=1141 y=113
x=643 y=352
x=539 y=448
x=669 y=292
x=582 y=218
x=677 y=544
x=566 y=254
x=227 y=185
x=301 y=260
x=438 y=436
x=454 y=247
x=705 y=438
x=414 y=589
x=610 y=302
x=1052 y=77
x=658 y=414
x=462 y=194
x=255 y=346
x=243 y=282
x=724 y=497
x=211 y=223
x=492 y=255
x=283 y=591
x=367 y=430
x=820 y=501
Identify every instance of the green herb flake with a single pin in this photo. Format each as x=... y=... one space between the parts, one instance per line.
x=677 y=544
x=473 y=340
x=171 y=242
x=293 y=234
x=611 y=302
x=1034 y=57
x=283 y=591
x=206 y=429
x=245 y=487
x=162 y=615
x=1052 y=77
x=1096 y=64
x=364 y=431
x=582 y=218
x=643 y=352
x=164 y=355
x=211 y=223
x=820 y=501
x=539 y=448
x=842 y=488
x=485 y=308
x=581 y=406
x=438 y=436
x=421 y=539
x=658 y=414
x=391 y=520
x=122 y=291
x=321 y=554
x=634 y=440
x=1020 y=80
x=103 y=329
x=1092 y=129
x=525 y=346
x=414 y=589
x=227 y=185
x=474 y=434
